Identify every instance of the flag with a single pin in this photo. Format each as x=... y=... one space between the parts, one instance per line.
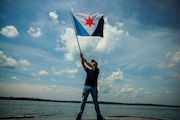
x=88 y=24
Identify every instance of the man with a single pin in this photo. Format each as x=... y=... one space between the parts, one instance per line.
x=90 y=86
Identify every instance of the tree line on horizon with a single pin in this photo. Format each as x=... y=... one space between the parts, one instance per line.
x=101 y=102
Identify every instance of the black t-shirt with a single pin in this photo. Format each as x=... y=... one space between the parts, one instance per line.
x=92 y=76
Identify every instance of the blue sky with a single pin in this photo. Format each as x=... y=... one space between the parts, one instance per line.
x=139 y=56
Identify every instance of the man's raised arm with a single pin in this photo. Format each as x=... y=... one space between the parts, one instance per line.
x=88 y=63
x=82 y=61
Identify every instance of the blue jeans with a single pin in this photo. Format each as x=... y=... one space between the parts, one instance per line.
x=94 y=94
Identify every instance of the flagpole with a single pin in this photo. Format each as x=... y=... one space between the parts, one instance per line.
x=75 y=31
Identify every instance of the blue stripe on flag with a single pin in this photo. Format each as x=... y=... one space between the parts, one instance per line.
x=79 y=28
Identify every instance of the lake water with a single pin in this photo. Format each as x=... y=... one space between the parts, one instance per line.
x=60 y=109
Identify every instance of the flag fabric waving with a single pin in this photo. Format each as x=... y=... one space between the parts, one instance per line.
x=88 y=24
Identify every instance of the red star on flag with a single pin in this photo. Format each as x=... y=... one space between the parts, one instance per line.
x=89 y=21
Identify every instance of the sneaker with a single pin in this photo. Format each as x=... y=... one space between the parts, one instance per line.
x=100 y=117
x=79 y=116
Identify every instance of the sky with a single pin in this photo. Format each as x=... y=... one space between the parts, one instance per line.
x=138 y=57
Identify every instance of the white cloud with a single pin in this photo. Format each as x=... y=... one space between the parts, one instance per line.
x=24 y=62
x=105 y=84
x=120 y=24
x=14 y=78
x=34 y=32
x=115 y=76
x=126 y=89
x=9 y=31
x=168 y=92
x=91 y=45
x=24 y=69
x=43 y=72
x=54 y=17
x=64 y=71
x=39 y=74
x=58 y=48
x=173 y=60
x=112 y=37
x=141 y=89
x=63 y=22
x=174 y=57
x=129 y=92
x=53 y=87
x=7 y=62
x=70 y=44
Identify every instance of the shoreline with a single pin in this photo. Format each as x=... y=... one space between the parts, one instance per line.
x=91 y=102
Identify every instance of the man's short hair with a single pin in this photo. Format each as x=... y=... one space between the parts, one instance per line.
x=95 y=62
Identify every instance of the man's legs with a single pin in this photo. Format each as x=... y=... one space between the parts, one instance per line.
x=86 y=92
x=94 y=94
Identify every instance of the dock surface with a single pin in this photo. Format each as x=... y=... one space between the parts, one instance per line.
x=71 y=118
